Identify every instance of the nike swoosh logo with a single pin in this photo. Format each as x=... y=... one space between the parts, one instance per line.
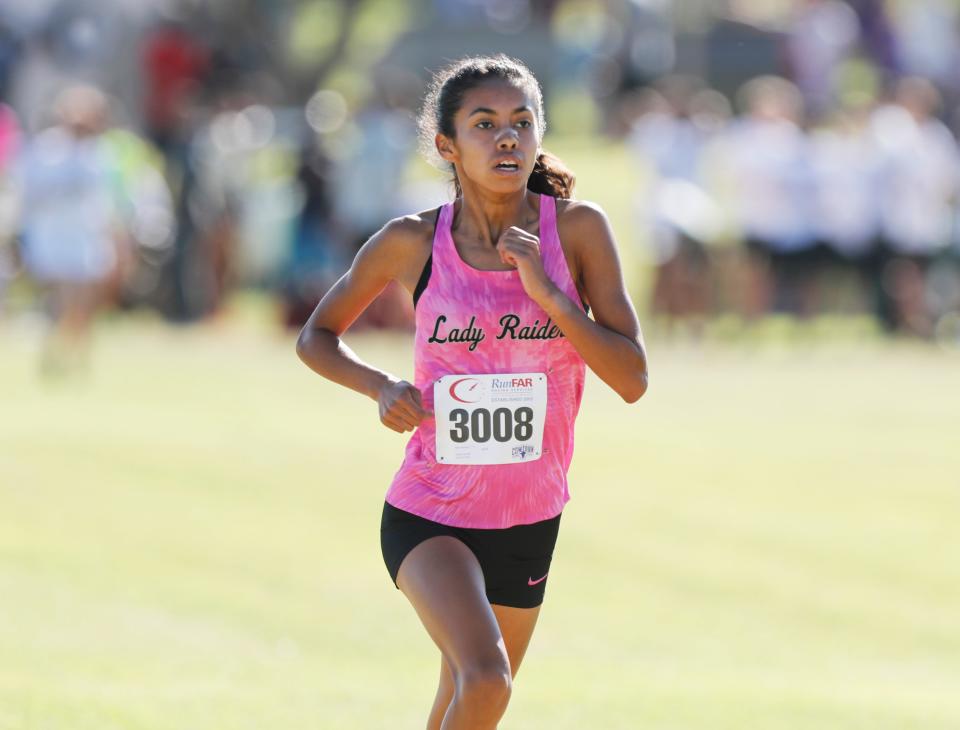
x=532 y=582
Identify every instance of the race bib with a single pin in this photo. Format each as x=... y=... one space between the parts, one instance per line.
x=490 y=419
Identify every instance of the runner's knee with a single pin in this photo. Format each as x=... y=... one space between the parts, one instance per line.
x=485 y=683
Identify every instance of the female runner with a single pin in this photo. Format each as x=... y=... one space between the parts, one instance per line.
x=501 y=277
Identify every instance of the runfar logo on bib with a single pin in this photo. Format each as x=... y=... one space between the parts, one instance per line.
x=466 y=390
x=500 y=384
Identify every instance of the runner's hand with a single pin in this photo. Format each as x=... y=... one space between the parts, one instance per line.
x=521 y=249
x=401 y=406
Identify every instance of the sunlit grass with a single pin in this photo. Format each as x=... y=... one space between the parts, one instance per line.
x=189 y=539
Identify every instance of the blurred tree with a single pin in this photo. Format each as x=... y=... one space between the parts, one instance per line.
x=320 y=36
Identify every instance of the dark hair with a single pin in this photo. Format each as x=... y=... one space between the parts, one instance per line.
x=445 y=97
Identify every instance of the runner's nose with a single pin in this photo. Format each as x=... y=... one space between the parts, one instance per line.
x=508 y=140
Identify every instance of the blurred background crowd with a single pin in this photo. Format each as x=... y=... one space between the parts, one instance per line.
x=786 y=156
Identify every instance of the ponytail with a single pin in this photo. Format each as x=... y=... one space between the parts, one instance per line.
x=551 y=177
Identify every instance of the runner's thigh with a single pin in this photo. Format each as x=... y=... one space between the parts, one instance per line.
x=442 y=579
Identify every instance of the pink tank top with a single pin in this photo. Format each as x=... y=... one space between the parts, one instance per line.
x=471 y=321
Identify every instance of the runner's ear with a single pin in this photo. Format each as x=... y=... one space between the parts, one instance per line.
x=444 y=147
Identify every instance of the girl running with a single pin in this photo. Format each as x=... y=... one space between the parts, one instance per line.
x=502 y=278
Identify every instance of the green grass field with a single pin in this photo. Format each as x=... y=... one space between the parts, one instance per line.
x=189 y=541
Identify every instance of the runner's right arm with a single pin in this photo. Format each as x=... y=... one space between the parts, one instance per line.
x=383 y=258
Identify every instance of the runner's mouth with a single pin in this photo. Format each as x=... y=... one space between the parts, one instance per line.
x=507 y=166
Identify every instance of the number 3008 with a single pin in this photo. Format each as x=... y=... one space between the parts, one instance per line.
x=503 y=424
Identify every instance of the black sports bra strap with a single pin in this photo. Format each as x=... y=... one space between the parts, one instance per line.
x=427 y=267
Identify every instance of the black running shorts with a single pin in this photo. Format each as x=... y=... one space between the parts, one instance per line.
x=515 y=560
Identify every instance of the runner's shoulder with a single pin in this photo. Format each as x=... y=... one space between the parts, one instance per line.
x=581 y=222
x=411 y=230
x=405 y=237
x=571 y=212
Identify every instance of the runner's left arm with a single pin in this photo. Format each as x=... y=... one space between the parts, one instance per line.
x=611 y=344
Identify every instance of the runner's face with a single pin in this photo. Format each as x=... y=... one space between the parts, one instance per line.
x=497 y=137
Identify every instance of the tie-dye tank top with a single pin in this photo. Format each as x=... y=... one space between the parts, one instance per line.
x=461 y=303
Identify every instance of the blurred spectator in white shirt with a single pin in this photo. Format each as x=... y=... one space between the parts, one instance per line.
x=846 y=216
x=845 y=166
x=919 y=160
x=70 y=247
x=670 y=140
x=919 y=176
x=768 y=155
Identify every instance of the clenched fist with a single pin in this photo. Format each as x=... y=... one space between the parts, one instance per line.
x=521 y=249
x=401 y=406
